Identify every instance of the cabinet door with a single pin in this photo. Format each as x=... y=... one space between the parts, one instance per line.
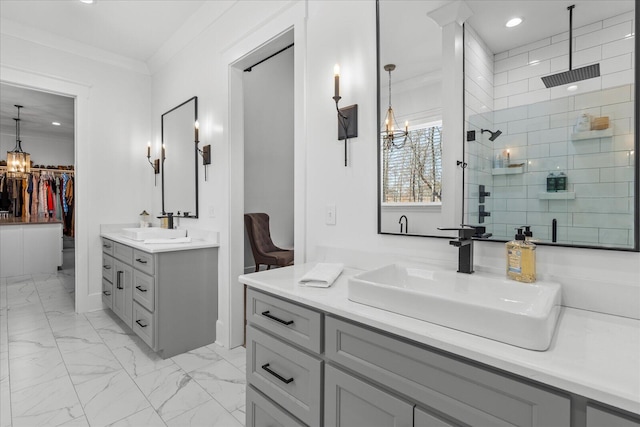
x=424 y=419
x=597 y=417
x=123 y=292
x=353 y=402
x=262 y=412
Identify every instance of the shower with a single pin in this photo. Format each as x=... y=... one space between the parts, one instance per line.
x=494 y=135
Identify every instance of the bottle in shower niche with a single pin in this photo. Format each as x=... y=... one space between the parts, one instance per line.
x=498 y=162
x=521 y=259
x=561 y=182
x=551 y=183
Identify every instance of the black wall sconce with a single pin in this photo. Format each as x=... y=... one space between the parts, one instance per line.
x=347 y=116
x=155 y=164
x=205 y=152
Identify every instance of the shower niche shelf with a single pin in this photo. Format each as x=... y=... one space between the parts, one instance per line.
x=560 y=195
x=592 y=134
x=507 y=171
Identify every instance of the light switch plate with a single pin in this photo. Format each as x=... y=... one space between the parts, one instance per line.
x=330 y=215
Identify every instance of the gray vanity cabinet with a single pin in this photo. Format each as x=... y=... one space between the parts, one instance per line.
x=600 y=417
x=350 y=401
x=169 y=299
x=123 y=291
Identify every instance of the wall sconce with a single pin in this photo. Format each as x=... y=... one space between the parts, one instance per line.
x=205 y=152
x=155 y=164
x=347 y=116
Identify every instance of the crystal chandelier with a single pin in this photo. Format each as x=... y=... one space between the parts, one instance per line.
x=392 y=135
x=18 y=162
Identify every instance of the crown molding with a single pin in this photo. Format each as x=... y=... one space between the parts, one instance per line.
x=47 y=39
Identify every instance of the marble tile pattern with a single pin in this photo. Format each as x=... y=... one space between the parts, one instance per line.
x=61 y=368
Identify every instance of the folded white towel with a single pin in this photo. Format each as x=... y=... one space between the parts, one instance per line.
x=163 y=241
x=322 y=275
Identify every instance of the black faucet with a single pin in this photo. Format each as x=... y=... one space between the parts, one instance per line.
x=406 y=224
x=464 y=243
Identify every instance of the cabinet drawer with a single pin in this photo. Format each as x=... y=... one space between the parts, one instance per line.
x=123 y=252
x=291 y=377
x=107 y=267
x=143 y=324
x=144 y=290
x=107 y=293
x=107 y=246
x=143 y=261
x=464 y=391
x=422 y=418
x=297 y=324
x=261 y=412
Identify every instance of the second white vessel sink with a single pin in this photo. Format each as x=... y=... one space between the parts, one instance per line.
x=520 y=314
x=147 y=233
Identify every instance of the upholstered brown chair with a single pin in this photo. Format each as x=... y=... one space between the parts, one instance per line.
x=264 y=251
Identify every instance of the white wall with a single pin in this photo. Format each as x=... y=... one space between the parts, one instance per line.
x=49 y=150
x=268 y=148
x=113 y=178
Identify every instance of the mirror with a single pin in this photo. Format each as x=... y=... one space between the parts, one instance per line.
x=562 y=159
x=409 y=118
x=180 y=165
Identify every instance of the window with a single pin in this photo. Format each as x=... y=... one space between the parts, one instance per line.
x=412 y=171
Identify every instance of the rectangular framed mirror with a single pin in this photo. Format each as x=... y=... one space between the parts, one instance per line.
x=180 y=160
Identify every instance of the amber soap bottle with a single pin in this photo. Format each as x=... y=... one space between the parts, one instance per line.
x=521 y=259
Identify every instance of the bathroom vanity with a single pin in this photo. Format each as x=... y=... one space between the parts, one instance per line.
x=316 y=358
x=167 y=293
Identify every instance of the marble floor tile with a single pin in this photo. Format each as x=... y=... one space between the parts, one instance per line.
x=19 y=348
x=86 y=363
x=51 y=403
x=117 y=335
x=210 y=414
x=237 y=356
x=138 y=359
x=67 y=321
x=224 y=382
x=109 y=398
x=147 y=417
x=61 y=305
x=18 y=280
x=197 y=358
x=78 y=335
x=100 y=319
x=171 y=391
x=37 y=368
x=22 y=293
x=240 y=414
x=5 y=403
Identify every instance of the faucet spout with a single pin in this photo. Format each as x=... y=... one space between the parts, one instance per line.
x=464 y=243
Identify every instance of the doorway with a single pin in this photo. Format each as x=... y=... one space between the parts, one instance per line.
x=269 y=147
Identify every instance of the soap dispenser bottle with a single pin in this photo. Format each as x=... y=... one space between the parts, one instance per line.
x=521 y=259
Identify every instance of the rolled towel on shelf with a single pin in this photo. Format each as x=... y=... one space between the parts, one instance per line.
x=322 y=275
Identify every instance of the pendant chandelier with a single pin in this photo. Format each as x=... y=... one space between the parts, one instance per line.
x=392 y=135
x=18 y=162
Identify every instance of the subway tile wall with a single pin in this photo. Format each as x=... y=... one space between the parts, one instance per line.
x=537 y=127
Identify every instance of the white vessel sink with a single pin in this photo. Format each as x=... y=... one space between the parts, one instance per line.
x=153 y=233
x=520 y=314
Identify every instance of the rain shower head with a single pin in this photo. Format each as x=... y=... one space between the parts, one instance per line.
x=494 y=135
x=571 y=76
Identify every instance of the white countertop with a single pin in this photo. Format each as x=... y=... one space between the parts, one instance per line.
x=205 y=240
x=592 y=354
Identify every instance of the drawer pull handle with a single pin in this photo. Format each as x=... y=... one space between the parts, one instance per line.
x=142 y=325
x=284 y=322
x=106 y=267
x=280 y=377
x=141 y=261
x=107 y=293
x=106 y=246
x=118 y=285
x=141 y=289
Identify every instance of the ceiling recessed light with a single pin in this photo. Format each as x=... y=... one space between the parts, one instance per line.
x=88 y=1
x=572 y=88
x=55 y=123
x=513 y=22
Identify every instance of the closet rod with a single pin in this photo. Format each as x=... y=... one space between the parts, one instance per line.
x=248 y=69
